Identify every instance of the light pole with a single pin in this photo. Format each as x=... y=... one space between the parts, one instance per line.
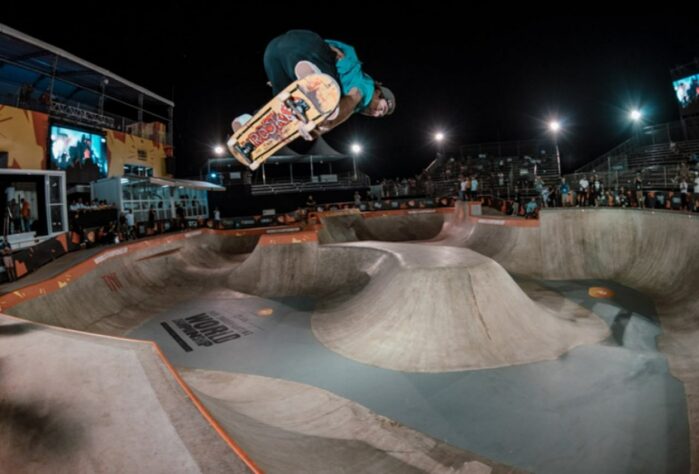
x=218 y=151
x=555 y=127
x=213 y=160
x=439 y=138
x=356 y=150
x=636 y=118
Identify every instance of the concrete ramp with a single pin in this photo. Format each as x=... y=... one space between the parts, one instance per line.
x=117 y=290
x=75 y=402
x=650 y=251
x=431 y=309
x=341 y=435
x=417 y=308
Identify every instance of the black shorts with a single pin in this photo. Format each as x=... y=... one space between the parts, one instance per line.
x=285 y=51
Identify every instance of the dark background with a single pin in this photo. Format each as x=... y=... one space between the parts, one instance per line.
x=476 y=78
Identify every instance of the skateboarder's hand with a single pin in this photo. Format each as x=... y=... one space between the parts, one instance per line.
x=312 y=135
x=308 y=136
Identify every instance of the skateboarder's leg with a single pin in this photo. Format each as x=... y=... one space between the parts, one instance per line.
x=276 y=65
x=286 y=51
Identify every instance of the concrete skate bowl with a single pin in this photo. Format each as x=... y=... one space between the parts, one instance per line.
x=370 y=296
x=124 y=287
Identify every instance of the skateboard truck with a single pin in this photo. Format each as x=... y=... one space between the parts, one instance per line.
x=299 y=107
x=245 y=151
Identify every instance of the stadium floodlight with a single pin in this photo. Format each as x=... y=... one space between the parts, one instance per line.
x=219 y=150
x=356 y=149
x=439 y=136
x=635 y=115
x=555 y=127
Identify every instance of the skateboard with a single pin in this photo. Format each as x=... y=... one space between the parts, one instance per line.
x=304 y=104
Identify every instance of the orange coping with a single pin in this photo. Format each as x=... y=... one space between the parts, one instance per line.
x=507 y=221
x=301 y=237
x=207 y=416
x=408 y=212
x=504 y=221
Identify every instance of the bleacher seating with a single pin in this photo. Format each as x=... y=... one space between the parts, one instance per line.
x=502 y=168
x=662 y=154
x=653 y=147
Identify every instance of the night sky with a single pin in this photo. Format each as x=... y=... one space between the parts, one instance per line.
x=479 y=79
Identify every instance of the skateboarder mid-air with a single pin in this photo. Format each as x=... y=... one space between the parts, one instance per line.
x=298 y=53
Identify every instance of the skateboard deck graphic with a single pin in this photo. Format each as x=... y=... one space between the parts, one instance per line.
x=303 y=104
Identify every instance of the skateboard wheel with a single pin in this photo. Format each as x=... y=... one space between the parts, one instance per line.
x=239 y=121
x=254 y=165
x=283 y=96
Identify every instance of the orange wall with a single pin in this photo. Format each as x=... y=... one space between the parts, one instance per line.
x=24 y=135
x=124 y=149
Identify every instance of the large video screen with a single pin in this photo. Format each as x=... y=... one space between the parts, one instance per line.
x=687 y=92
x=78 y=149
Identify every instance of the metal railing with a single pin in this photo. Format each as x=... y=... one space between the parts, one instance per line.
x=303 y=184
x=118 y=122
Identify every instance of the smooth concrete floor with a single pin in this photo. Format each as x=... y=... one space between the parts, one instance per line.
x=610 y=407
